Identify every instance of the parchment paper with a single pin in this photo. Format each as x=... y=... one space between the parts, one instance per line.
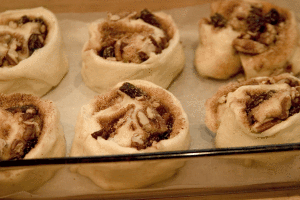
x=191 y=89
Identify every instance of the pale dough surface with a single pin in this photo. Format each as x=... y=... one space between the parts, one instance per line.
x=127 y=175
x=45 y=68
x=51 y=144
x=229 y=111
x=217 y=58
x=101 y=75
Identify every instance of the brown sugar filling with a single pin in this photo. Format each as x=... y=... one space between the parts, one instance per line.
x=218 y=20
x=258 y=29
x=32 y=121
x=14 y=48
x=255 y=100
x=261 y=31
x=154 y=119
x=117 y=38
x=288 y=111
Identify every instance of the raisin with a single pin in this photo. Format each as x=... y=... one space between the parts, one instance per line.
x=272 y=17
x=104 y=133
x=164 y=42
x=24 y=19
x=108 y=52
x=108 y=127
x=149 y=18
x=30 y=135
x=30 y=144
x=295 y=107
x=161 y=110
x=166 y=135
x=131 y=90
x=256 y=21
x=34 y=43
x=19 y=48
x=291 y=83
x=218 y=20
x=14 y=110
x=158 y=136
x=288 y=68
x=143 y=56
x=251 y=119
x=39 y=20
x=158 y=47
x=257 y=99
x=27 y=116
x=22 y=109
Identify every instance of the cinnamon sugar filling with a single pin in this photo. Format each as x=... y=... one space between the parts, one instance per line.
x=19 y=38
x=21 y=127
x=259 y=27
x=128 y=43
x=264 y=109
x=151 y=121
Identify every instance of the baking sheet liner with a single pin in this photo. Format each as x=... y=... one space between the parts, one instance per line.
x=191 y=89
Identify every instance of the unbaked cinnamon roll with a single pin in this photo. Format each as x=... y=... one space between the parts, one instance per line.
x=134 y=117
x=259 y=111
x=131 y=46
x=31 y=55
x=256 y=37
x=30 y=129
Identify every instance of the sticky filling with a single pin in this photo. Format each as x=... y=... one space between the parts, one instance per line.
x=265 y=109
x=20 y=38
x=135 y=120
x=133 y=37
x=20 y=129
x=259 y=29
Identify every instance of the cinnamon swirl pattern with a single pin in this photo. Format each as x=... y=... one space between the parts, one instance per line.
x=255 y=37
x=30 y=129
x=31 y=55
x=134 y=117
x=132 y=46
x=259 y=111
